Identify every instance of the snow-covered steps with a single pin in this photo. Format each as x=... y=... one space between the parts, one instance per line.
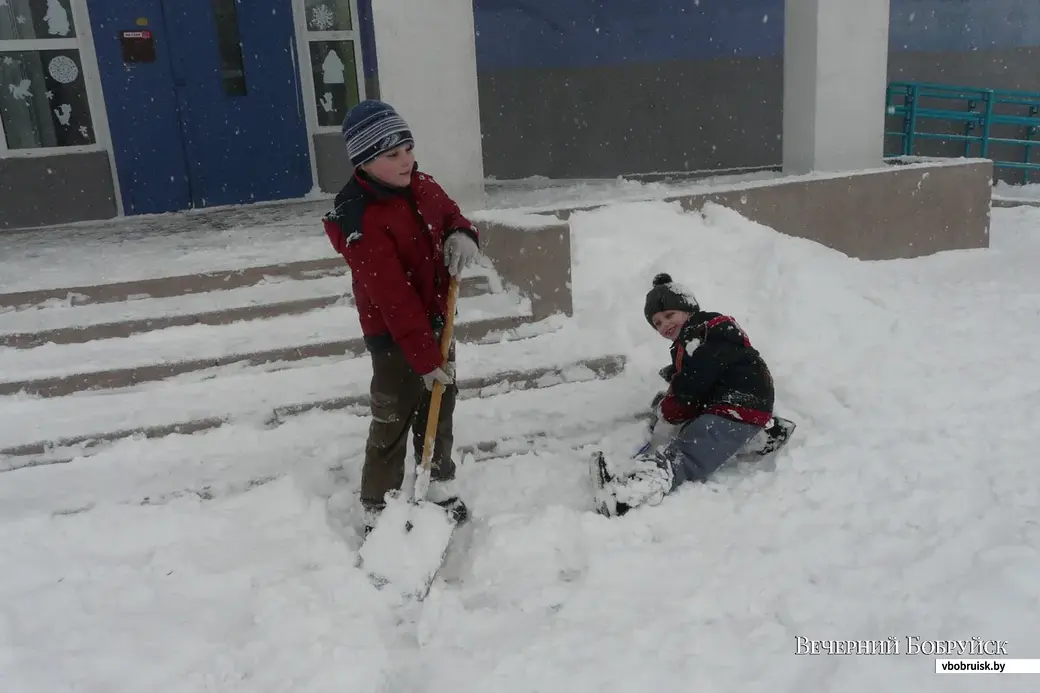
x=45 y=324
x=161 y=338
x=69 y=433
x=149 y=356
x=253 y=393
x=58 y=341
x=243 y=454
x=53 y=376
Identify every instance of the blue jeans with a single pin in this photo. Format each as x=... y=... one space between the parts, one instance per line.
x=703 y=445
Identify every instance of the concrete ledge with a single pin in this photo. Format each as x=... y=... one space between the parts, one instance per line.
x=535 y=258
x=900 y=211
x=37 y=454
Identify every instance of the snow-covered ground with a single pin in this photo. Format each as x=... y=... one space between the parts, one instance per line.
x=906 y=505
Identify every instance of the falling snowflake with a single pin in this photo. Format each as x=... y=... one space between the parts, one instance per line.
x=50 y=95
x=322 y=18
x=8 y=60
x=63 y=69
x=20 y=19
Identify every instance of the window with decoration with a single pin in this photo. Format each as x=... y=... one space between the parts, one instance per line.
x=43 y=95
x=334 y=48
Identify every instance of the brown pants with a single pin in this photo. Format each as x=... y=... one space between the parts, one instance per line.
x=401 y=403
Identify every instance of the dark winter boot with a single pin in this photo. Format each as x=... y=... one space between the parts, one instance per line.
x=770 y=439
x=456 y=509
x=603 y=483
x=371 y=516
x=646 y=484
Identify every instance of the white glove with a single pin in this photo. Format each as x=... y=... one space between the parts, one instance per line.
x=437 y=375
x=459 y=252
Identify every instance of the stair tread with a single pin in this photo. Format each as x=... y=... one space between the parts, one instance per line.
x=274 y=294
x=59 y=314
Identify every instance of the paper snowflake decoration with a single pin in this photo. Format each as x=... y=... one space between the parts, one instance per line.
x=21 y=19
x=63 y=69
x=322 y=18
x=22 y=90
x=50 y=95
x=83 y=131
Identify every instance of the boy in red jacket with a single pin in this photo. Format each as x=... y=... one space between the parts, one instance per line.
x=403 y=238
x=719 y=400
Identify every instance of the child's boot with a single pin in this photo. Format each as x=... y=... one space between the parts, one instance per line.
x=646 y=484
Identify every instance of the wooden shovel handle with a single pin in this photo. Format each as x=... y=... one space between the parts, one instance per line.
x=438 y=388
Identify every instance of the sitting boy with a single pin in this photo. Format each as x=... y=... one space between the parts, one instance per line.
x=719 y=403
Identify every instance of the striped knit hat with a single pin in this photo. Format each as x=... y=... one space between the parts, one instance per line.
x=371 y=128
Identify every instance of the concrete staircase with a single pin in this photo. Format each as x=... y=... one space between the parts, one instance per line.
x=84 y=367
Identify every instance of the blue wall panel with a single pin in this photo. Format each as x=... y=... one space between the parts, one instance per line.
x=586 y=33
x=963 y=26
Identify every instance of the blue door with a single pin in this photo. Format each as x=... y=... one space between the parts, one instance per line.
x=205 y=109
x=143 y=113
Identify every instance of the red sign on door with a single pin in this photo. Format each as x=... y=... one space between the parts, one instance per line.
x=138 y=46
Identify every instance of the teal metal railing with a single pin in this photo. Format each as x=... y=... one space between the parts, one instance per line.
x=980 y=118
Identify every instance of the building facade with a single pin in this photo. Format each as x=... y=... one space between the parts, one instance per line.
x=628 y=86
x=112 y=107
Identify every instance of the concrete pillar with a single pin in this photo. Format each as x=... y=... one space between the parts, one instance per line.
x=427 y=65
x=835 y=76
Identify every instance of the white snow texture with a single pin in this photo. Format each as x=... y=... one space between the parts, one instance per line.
x=905 y=505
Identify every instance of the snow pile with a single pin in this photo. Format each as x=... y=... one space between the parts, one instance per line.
x=905 y=506
x=1029 y=192
x=800 y=302
x=245 y=593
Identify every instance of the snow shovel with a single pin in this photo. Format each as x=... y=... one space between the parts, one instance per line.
x=408 y=544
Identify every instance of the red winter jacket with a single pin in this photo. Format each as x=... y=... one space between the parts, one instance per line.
x=393 y=242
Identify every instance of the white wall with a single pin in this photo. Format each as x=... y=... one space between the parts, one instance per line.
x=428 y=72
x=835 y=76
